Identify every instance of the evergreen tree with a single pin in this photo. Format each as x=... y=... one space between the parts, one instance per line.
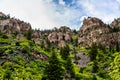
x=117 y=47
x=42 y=44
x=69 y=69
x=114 y=68
x=95 y=67
x=94 y=77
x=93 y=52
x=110 y=48
x=64 y=52
x=29 y=34
x=54 y=70
x=48 y=45
x=76 y=42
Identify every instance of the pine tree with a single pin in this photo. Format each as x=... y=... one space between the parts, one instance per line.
x=64 y=52
x=95 y=67
x=69 y=68
x=93 y=52
x=114 y=68
x=117 y=47
x=29 y=34
x=54 y=70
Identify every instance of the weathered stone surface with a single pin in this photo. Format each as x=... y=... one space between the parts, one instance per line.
x=67 y=37
x=60 y=36
x=36 y=37
x=94 y=30
x=2 y=14
x=91 y=23
x=20 y=36
x=39 y=55
x=53 y=37
x=37 y=40
x=12 y=25
x=64 y=29
x=115 y=23
x=82 y=59
x=36 y=34
x=62 y=43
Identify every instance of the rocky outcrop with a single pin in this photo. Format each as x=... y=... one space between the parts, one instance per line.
x=20 y=36
x=61 y=37
x=67 y=37
x=3 y=16
x=36 y=37
x=13 y=26
x=115 y=23
x=81 y=59
x=62 y=43
x=64 y=29
x=53 y=37
x=91 y=23
x=39 y=55
x=94 y=30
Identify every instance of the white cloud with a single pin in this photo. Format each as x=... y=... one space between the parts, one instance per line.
x=39 y=13
x=45 y=14
x=118 y=1
x=61 y=2
x=106 y=10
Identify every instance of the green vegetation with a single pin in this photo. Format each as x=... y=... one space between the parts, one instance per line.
x=58 y=54
x=54 y=69
x=4 y=17
x=24 y=60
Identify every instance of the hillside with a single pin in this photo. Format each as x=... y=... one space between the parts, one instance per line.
x=91 y=53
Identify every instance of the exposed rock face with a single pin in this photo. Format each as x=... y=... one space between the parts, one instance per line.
x=60 y=36
x=62 y=43
x=94 y=30
x=115 y=23
x=91 y=23
x=67 y=37
x=39 y=55
x=36 y=34
x=53 y=37
x=64 y=29
x=12 y=25
x=36 y=37
x=20 y=36
x=82 y=59
x=2 y=14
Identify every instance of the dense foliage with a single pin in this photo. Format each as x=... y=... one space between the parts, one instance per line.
x=20 y=60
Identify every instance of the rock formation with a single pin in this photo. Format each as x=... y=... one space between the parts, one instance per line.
x=36 y=37
x=13 y=26
x=94 y=30
x=60 y=36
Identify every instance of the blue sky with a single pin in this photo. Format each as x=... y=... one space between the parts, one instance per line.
x=47 y=14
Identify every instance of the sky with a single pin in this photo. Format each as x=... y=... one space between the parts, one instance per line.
x=47 y=14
